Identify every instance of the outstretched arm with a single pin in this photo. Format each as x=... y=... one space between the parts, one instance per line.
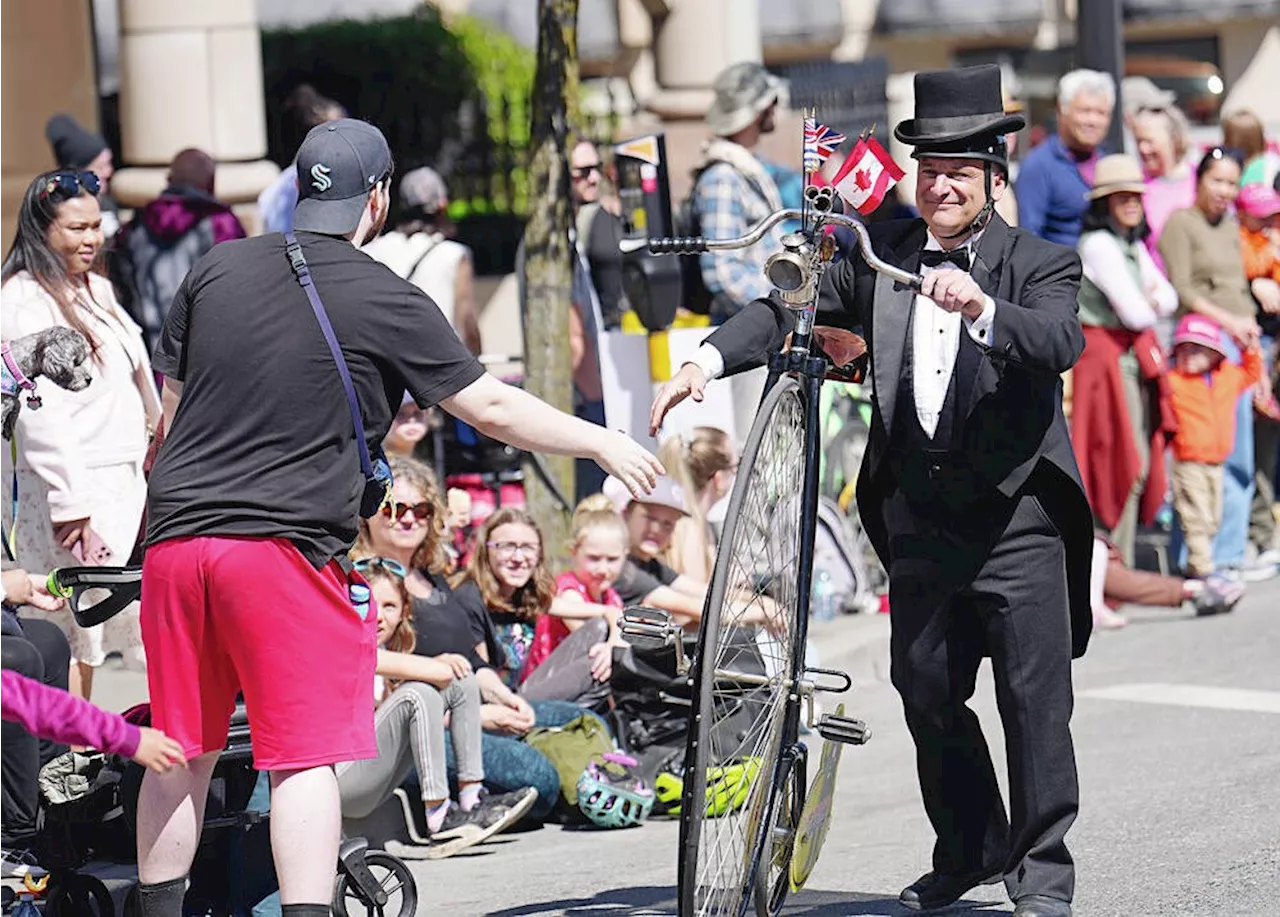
x=513 y=416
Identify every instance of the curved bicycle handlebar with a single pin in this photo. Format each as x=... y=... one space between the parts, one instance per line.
x=70 y=583
x=685 y=245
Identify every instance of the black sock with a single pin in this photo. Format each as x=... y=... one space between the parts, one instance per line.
x=164 y=899
x=305 y=910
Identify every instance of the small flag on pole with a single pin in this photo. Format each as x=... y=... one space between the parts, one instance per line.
x=866 y=176
x=820 y=142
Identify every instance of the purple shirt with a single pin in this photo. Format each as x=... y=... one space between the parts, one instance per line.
x=52 y=714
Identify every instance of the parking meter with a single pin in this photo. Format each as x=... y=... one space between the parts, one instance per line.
x=652 y=283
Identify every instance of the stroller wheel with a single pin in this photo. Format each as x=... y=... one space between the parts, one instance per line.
x=76 y=895
x=394 y=885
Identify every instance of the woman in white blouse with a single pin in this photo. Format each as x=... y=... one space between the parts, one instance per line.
x=81 y=490
x=1122 y=297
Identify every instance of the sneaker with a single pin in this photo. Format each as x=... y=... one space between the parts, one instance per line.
x=1220 y=595
x=492 y=814
x=15 y=863
x=1264 y=567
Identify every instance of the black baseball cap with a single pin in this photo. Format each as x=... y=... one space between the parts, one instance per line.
x=339 y=162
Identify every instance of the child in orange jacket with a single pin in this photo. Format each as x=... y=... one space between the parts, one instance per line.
x=1205 y=387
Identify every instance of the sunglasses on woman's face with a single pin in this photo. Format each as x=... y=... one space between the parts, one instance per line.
x=394 y=567
x=397 y=511
x=69 y=184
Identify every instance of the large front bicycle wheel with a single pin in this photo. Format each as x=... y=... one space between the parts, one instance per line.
x=744 y=666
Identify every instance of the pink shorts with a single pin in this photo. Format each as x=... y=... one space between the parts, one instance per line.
x=222 y=615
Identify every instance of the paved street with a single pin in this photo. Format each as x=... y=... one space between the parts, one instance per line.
x=1177 y=727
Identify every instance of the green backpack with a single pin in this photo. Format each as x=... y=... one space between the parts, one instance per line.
x=569 y=748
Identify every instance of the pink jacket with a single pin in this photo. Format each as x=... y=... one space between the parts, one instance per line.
x=52 y=714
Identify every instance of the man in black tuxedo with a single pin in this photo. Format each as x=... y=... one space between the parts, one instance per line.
x=969 y=490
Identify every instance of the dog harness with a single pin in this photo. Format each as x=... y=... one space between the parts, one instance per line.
x=15 y=381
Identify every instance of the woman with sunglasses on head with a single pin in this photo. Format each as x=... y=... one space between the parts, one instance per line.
x=1205 y=264
x=414 y=694
x=454 y=627
x=81 y=489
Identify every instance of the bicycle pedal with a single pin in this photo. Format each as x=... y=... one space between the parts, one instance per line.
x=646 y=627
x=845 y=729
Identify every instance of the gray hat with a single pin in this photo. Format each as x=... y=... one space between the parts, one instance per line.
x=424 y=188
x=1140 y=94
x=338 y=164
x=743 y=91
x=666 y=492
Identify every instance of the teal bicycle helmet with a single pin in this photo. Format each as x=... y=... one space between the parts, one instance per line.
x=611 y=795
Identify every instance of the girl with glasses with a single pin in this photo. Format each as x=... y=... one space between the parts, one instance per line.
x=80 y=484
x=454 y=626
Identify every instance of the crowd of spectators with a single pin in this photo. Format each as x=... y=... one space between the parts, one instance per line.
x=480 y=640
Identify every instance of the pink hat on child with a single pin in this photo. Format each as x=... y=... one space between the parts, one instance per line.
x=1196 y=329
x=1258 y=200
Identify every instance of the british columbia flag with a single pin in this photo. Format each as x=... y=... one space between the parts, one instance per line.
x=820 y=142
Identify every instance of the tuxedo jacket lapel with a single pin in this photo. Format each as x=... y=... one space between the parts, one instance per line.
x=988 y=260
x=891 y=314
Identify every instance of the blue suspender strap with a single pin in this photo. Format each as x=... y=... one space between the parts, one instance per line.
x=303 y=274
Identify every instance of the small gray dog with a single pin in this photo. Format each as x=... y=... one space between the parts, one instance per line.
x=59 y=354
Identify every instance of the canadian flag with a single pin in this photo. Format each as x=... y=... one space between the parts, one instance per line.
x=866 y=176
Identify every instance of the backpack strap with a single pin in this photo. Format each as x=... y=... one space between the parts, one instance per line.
x=303 y=275
x=431 y=246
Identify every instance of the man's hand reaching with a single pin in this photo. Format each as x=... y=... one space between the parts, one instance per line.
x=689 y=382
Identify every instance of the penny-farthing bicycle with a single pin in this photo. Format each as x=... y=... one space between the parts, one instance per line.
x=743 y=819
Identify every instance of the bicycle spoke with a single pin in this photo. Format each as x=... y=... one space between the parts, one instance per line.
x=751 y=659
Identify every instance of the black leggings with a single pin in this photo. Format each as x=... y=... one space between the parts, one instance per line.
x=41 y=654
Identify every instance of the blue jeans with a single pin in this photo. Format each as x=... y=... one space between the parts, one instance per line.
x=510 y=764
x=1237 y=489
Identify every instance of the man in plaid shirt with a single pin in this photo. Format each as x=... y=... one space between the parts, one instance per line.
x=734 y=191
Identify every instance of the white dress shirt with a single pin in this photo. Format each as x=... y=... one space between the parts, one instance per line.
x=935 y=343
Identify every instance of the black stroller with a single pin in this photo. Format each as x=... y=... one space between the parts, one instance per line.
x=651 y=699
x=103 y=822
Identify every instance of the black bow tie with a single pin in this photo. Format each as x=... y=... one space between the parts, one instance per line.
x=957 y=256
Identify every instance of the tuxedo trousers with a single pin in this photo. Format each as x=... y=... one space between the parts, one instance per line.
x=989 y=582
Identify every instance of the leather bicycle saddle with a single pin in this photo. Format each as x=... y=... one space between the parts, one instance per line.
x=845 y=351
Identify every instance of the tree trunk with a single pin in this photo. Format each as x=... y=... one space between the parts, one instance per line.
x=548 y=282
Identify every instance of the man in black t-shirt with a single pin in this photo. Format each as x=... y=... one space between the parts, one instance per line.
x=254 y=499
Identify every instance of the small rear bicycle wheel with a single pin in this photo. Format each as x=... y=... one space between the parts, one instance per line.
x=392 y=876
x=744 y=667
x=77 y=895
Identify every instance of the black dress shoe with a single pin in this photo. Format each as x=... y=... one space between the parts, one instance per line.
x=935 y=890
x=1041 y=906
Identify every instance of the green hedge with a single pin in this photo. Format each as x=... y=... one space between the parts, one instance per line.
x=454 y=97
x=504 y=70
x=409 y=75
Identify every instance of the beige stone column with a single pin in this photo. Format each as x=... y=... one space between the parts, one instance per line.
x=47 y=54
x=191 y=76
x=693 y=42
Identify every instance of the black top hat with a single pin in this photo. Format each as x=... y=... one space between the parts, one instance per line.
x=959 y=111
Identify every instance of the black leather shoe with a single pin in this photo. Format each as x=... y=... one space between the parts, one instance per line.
x=934 y=890
x=1041 y=906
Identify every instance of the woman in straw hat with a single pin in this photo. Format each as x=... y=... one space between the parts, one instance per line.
x=1116 y=382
